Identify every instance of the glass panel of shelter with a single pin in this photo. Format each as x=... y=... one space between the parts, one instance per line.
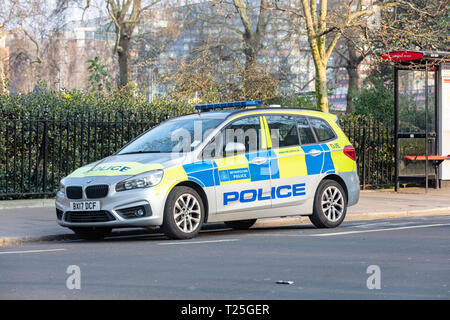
x=411 y=122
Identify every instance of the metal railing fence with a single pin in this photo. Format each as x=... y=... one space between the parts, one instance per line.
x=38 y=149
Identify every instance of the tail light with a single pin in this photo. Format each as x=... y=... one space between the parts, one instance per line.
x=349 y=151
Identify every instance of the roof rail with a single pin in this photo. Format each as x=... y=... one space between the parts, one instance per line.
x=235 y=104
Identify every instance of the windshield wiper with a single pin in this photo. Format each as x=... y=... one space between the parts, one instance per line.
x=140 y=151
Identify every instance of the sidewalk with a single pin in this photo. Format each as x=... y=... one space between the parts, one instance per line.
x=35 y=220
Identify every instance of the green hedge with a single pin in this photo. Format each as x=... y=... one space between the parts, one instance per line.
x=81 y=127
x=76 y=102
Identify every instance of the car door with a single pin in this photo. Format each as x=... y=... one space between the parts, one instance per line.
x=289 y=173
x=325 y=135
x=244 y=177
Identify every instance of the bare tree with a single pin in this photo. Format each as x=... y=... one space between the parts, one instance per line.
x=351 y=52
x=155 y=42
x=250 y=28
x=253 y=35
x=325 y=27
x=125 y=16
x=15 y=16
x=411 y=25
x=414 y=24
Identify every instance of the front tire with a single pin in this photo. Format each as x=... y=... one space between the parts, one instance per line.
x=330 y=205
x=184 y=213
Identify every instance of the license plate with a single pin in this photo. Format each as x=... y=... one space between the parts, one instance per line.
x=85 y=206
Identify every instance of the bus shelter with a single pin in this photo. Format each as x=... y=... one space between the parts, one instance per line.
x=422 y=117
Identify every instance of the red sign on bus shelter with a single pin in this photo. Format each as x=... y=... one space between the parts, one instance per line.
x=402 y=56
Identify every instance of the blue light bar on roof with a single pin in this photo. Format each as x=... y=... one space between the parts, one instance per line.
x=235 y=104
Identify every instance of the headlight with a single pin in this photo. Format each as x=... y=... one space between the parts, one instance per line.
x=62 y=188
x=143 y=180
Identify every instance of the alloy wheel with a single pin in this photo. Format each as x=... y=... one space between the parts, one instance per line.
x=187 y=213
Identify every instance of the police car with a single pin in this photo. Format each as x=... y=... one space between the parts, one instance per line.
x=218 y=165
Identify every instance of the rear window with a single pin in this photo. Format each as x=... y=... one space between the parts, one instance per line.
x=322 y=129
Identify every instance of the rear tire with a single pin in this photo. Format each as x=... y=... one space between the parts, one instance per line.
x=184 y=213
x=330 y=205
x=241 y=224
x=92 y=233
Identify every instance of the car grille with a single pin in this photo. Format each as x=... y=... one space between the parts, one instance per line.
x=96 y=192
x=74 y=192
x=89 y=216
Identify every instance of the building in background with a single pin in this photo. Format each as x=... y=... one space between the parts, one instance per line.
x=164 y=38
x=4 y=63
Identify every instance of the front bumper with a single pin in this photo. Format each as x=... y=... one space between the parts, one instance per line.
x=152 y=200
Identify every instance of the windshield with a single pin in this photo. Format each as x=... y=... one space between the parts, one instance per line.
x=178 y=135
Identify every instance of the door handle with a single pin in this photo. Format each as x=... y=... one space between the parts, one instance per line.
x=314 y=153
x=258 y=160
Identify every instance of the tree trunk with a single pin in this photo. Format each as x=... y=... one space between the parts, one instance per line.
x=124 y=60
x=252 y=39
x=353 y=62
x=321 y=87
x=250 y=69
x=353 y=86
x=3 y=77
x=250 y=59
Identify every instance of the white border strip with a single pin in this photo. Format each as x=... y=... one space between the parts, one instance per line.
x=196 y=242
x=32 y=251
x=378 y=230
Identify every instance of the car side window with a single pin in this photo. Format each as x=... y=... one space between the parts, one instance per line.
x=305 y=131
x=322 y=129
x=283 y=131
x=245 y=131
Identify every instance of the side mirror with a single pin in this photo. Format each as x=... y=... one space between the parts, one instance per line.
x=234 y=148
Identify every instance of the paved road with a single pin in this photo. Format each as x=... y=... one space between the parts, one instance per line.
x=29 y=219
x=413 y=257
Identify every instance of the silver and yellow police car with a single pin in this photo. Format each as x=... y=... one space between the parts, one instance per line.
x=221 y=164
